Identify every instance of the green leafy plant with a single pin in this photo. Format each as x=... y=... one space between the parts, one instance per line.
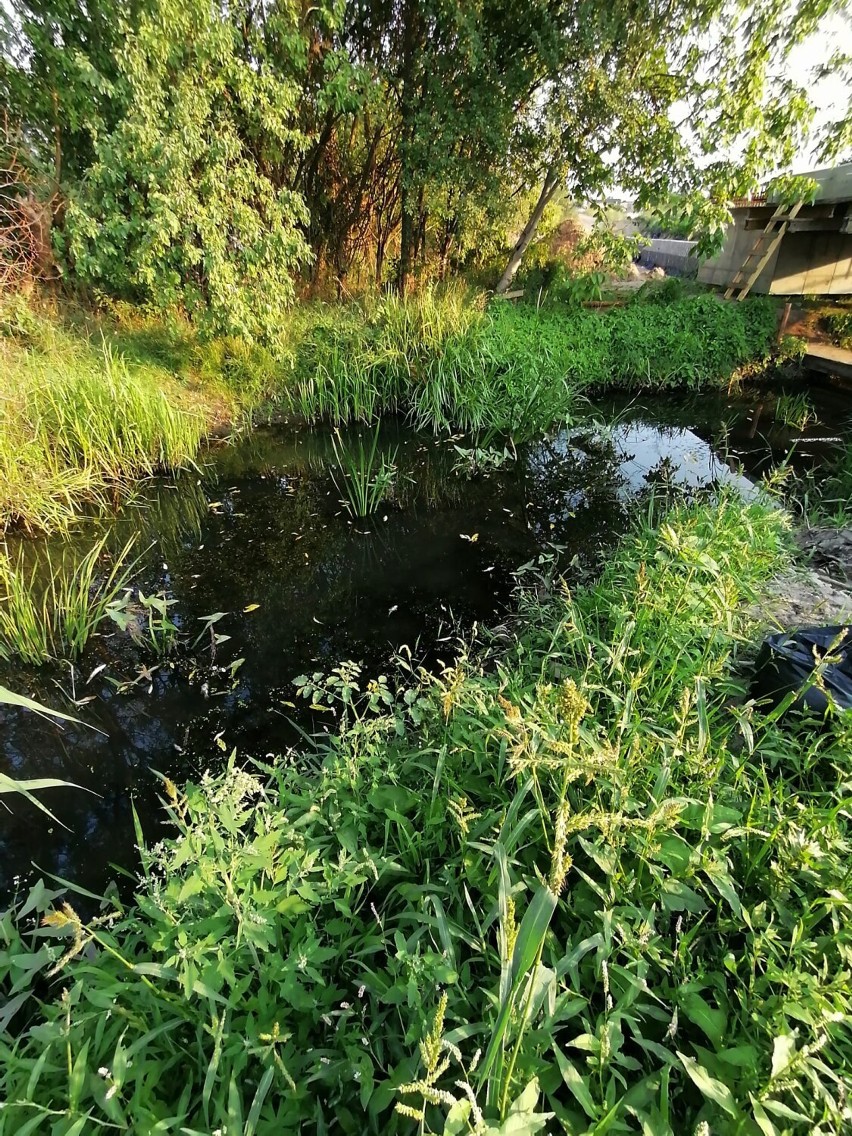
x=364 y=476
x=146 y=618
x=839 y=326
x=794 y=409
x=592 y=884
x=475 y=461
x=50 y=609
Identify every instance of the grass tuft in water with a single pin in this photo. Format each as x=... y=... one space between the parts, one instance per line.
x=363 y=476
x=794 y=409
x=51 y=608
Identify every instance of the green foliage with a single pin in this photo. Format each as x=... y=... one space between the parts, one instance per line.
x=76 y=419
x=554 y=283
x=363 y=476
x=204 y=148
x=788 y=189
x=58 y=76
x=177 y=208
x=51 y=608
x=511 y=369
x=839 y=326
x=592 y=882
x=794 y=409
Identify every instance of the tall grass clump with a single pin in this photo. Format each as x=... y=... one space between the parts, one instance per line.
x=363 y=475
x=51 y=607
x=76 y=420
x=447 y=362
x=578 y=883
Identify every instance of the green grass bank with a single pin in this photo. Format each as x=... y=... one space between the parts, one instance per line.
x=576 y=884
x=91 y=404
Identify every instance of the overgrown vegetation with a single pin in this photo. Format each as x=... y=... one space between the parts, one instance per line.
x=222 y=157
x=78 y=421
x=515 y=369
x=86 y=415
x=839 y=326
x=578 y=877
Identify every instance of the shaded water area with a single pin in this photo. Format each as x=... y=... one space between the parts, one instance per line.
x=257 y=537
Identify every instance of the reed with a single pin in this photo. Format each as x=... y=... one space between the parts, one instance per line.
x=51 y=607
x=364 y=476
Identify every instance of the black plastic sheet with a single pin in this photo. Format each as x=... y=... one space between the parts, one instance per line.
x=786 y=663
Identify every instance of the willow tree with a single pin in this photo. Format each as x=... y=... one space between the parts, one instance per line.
x=689 y=98
x=184 y=203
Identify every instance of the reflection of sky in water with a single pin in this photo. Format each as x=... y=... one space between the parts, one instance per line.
x=646 y=450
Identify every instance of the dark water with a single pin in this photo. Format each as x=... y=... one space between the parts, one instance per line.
x=260 y=523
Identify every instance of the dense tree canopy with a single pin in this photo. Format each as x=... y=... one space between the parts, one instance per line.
x=218 y=155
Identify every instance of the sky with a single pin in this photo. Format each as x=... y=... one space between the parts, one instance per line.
x=830 y=96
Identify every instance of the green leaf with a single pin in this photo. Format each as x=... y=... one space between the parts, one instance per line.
x=257 y=1102
x=712 y=1089
x=531 y=935
x=578 y=1085
x=712 y=1021
x=761 y=1119
x=457 y=1118
x=783 y=1049
x=12 y=699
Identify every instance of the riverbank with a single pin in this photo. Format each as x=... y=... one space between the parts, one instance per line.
x=579 y=874
x=94 y=402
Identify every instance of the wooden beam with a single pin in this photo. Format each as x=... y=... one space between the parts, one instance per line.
x=757 y=218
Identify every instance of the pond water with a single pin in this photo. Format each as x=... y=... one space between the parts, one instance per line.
x=257 y=536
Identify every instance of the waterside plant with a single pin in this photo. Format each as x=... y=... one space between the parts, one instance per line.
x=77 y=421
x=363 y=476
x=51 y=608
x=512 y=369
x=564 y=886
x=82 y=418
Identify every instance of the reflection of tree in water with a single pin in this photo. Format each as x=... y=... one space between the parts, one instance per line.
x=574 y=491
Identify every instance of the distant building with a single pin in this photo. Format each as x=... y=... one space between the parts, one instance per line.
x=675 y=256
x=814 y=254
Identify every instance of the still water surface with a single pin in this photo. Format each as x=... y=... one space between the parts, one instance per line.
x=260 y=523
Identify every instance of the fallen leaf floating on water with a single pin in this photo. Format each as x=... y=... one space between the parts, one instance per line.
x=473 y=538
x=251 y=607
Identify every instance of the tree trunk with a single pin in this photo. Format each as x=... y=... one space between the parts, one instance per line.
x=380 y=260
x=406 y=243
x=551 y=184
x=410 y=41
